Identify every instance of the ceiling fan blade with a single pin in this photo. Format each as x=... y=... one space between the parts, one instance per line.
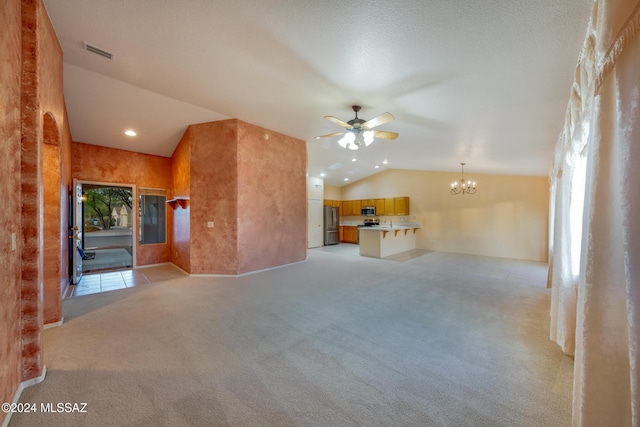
x=384 y=134
x=377 y=121
x=338 y=122
x=329 y=135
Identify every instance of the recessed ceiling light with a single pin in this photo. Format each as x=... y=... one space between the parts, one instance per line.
x=385 y=161
x=322 y=174
x=346 y=179
x=353 y=160
x=376 y=166
x=130 y=132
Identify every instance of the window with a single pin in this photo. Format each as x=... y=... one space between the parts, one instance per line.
x=576 y=206
x=576 y=211
x=153 y=208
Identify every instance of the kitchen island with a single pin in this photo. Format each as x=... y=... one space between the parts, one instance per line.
x=384 y=241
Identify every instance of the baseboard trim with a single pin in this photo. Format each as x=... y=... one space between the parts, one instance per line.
x=21 y=387
x=54 y=324
x=250 y=272
x=138 y=267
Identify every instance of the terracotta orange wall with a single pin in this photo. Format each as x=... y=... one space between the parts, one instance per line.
x=253 y=190
x=214 y=189
x=41 y=95
x=10 y=123
x=181 y=228
x=52 y=245
x=56 y=140
x=272 y=193
x=109 y=165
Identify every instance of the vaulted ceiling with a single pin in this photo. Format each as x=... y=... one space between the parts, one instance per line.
x=485 y=83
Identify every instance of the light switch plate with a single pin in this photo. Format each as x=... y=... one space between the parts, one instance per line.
x=210 y=224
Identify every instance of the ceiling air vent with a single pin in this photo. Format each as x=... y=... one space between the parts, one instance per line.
x=98 y=51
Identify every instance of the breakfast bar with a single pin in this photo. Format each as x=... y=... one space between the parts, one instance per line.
x=384 y=241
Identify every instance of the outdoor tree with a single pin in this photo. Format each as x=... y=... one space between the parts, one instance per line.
x=101 y=201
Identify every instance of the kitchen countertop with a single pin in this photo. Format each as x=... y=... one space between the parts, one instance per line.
x=382 y=226
x=350 y=223
x=387 y=228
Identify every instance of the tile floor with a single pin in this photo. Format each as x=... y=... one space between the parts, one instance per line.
x=92 y=283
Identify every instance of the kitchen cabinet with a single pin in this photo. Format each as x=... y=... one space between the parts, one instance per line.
x=336 y=203
x=349 y=234
x=390 y=206
x=347 y=208
x=401 y=205
x=341 y=238
x=357 y=205
x=387 y=206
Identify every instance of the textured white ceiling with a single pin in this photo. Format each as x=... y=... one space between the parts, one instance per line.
x=485 y=83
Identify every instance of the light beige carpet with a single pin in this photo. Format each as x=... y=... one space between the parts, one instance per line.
x=440 y=340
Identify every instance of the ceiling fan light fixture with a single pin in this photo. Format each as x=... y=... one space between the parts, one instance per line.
x=368 y=135
x=347 y=140
x=359 y=131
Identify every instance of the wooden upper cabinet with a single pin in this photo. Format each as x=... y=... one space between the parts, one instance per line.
x=389 y=206
x=347 y=208
x=356 y=207
x=379 y=204
x=401 y=205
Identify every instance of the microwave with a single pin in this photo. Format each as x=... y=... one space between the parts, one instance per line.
x=368 y=211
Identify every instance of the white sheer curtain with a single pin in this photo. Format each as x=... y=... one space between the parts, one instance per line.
x=605 y=303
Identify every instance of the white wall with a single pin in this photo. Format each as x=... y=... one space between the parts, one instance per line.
x=332 y=193
x=315 y=226
x=315 y=188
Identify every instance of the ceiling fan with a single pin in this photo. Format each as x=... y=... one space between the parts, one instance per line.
x=359 y=131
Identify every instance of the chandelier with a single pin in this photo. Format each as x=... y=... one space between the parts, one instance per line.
x=467 y=187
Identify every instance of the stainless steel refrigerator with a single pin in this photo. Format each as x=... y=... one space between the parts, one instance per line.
x=331 y=225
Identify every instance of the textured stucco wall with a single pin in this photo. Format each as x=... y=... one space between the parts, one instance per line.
x=272 y=198
x=52 y=216
x=254 y=191
x=31 y=83
x=181 y=228
x=214 y=189
x=54 y=131
x=110 y=165
x=10 y=46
